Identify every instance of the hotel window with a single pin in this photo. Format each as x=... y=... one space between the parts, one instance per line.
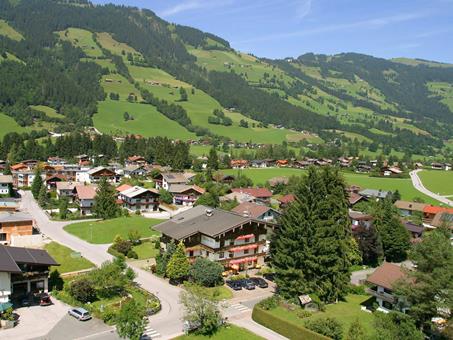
x=191 y=253
x=247 y=240
x=246 y=251
x=221 y=255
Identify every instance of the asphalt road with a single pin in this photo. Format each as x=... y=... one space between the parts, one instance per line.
x=417 y=183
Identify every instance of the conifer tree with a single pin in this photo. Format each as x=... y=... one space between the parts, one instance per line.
x=370 y=245
x=43 y=197
x=178 y=266
x=395 y=237
x=213 y=159
x=105 y=206
x=309 y=250
x=37 y=183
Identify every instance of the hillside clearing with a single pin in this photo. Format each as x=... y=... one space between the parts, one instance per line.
x=8 y=31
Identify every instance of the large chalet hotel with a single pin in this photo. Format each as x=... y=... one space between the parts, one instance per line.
x=237 y=241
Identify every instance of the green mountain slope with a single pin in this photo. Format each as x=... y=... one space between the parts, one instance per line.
x=126 y=71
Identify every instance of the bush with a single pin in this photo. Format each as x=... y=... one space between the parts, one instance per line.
x=206 y=272
x=82 y=290
x=270 y=303
x=302 y=314
x=283 y=327
x=326 y=326
x=55 y=280
x=132 y=254
x=109 y=316
x=134 y=236
x=238 y=277
x=356 y=290
x=123 y=246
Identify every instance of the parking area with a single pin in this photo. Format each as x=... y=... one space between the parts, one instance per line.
x=253 y=294
x=35 y=321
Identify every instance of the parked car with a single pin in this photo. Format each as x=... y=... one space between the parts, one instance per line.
x=235 y=285
x=80 y=314
x=260 y=282
x=45 y=300
x=247 y=284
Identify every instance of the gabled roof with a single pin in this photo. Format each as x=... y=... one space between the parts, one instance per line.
x=68 y=185
x=181 y=188
x=18 y=166
x=248 y=209
x=287 y=199
x=132 y=168
x=386 y=275
x=6 y=179
x=202 y=219
x=86 y=192
x=413 y=206
x=123 y=187
x=98 y=169
x=135 y=158
x=19 y=216
x=432 y=209
x=359 y=216
x=443 y=218
x=136 y=191
x=257 y=192
x=353 y=198
x=238 y=196
x=374 y=193
x=11 y=257
x=176 y=177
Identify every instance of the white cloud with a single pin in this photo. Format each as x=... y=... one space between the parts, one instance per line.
x=189 y=5
x=303 y=9
x=363 y=24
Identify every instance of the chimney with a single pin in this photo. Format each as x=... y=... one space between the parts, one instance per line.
x=246 y=213
x=209 y=212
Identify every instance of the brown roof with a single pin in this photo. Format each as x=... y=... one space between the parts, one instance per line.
x=6 y=179
x=68 y=185
x=10 y=257
x=359 y=216
x=86 y=192
x=249 y=209
x=443 y=218
x=18 y=166
x=287 y=199
x=353 y=198
x=413 y=206
x=257 y=192
x=386 y=275
x=123 y=187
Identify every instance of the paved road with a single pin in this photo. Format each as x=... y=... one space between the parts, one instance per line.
x=417 y=183
x=168 y=322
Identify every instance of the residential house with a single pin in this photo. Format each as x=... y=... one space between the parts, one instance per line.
x=135 y=171
x=279 y=180
x=239 y=163
x=94 y=175
x=415 y=230
x=23 y=175
x=84 y=196
x=66 y=189
x=52 y=180
x=258 y=163
x=286 y=200
x=23 y=271
x=256 y=211
x=391 y=171
x=240 y=197
x=165 y=180
x=440 y=166
x=374 y=194
x=383 y=280
x=8 y=204
x=262 y=195
x=360 y=219
x=301 y=164
x=15 y=224
x=140 y=199
x=56 y=161
x=282 y=163
x=122 y=188
x=431 y=211
x=409 y=208
x=136 y=160
x=6 y=182
x=185 y=194
x=237 y=242
x=443 y=218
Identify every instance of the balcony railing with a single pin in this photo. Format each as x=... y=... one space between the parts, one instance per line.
x=382 y=295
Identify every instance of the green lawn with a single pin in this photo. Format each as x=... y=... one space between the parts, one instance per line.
x=68 y=260
x=219 y=293
x=83 y=39
x=101 y=232
x=438 y=181
x=146 y=250
x=345 y=312
x=228 y=332
x=8 y=31
x=403 y=185
x=50 y=112
x=8 y=124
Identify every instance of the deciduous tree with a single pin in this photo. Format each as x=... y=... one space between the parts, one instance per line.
x=131 y=321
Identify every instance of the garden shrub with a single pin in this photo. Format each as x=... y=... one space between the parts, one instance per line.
x=270 y=303
x=132 y=254
x=330 y=327
x=82 y=290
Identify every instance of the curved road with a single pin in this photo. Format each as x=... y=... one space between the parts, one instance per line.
x=417 y=183
x=168 y=322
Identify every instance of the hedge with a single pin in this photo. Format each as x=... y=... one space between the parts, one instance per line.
x=283 y=327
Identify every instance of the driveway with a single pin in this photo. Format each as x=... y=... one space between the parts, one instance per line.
x=417 y=183
x=35 y=321
x=168 y=322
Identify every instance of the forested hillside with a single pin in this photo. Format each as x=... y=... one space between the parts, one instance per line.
x=66 y=65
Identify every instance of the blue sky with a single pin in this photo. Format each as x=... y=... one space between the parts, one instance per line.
x=283 y=28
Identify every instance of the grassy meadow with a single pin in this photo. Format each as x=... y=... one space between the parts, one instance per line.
x=104 y=231
x=83 y=39
x=68 y=263
x=8 y=31
x=439 y=182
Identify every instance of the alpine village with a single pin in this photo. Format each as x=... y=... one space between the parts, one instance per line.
x=157 y=183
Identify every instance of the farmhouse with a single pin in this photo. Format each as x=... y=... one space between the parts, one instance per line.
x=359 y=219
x=15 y=224
x=136 y=160
x=262 y=195
x=66 y=189
x=256 y=211
x=240 y=197
x=23 y=271
x=139 y=199
x=383 y=280
x=134 y=171
x=374 y=194
x=165 y=180
x=6 y=182
x=84 y=196
x=409 y=208
x=185 y=194
x=237 y=242
x=284 y=201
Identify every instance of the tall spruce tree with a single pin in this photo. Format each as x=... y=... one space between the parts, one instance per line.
x=309 y=250
x=37 y=183
x=213 y=159
x=395 y=237
x=178 y=267
x=105 y=206
x=43 y=197
x=370 y=245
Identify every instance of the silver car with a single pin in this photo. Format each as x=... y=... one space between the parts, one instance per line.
x=80 y=314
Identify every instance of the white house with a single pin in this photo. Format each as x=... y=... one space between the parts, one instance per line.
x=5 y=182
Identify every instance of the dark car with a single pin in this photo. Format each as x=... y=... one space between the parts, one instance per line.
x=260 y=282
x=45 y=300
x=247 y=284
x=235 y=285
x=269 y=276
